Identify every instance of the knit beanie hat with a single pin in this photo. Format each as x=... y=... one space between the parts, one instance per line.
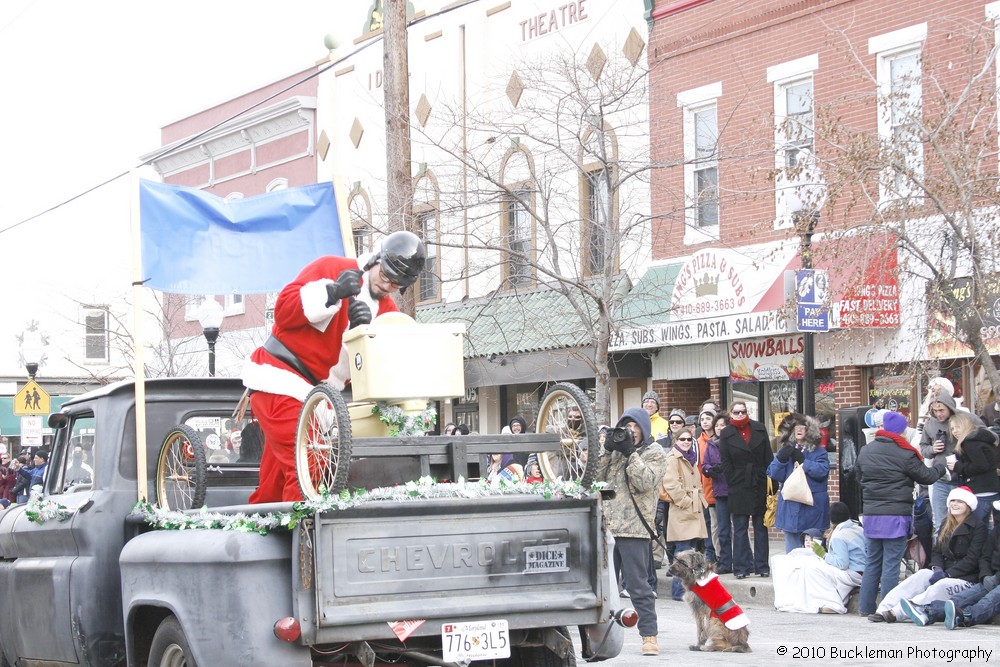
x=677 y=412
x=894 y=422
x=966 y=495
x=839 y=513
x=651 y=395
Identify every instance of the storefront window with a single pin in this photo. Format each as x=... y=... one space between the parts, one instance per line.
x=748 y=393
x=890 y=388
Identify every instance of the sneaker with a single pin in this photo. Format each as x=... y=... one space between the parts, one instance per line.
x=649 y=646
x=624 y=594
x=915 y=613
x=883 y=617
x=764 y=574
x=953 y=616
x=828 y=610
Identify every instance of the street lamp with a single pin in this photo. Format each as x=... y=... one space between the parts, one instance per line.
x=210 y=316
x=31 y=352
x=805 y=200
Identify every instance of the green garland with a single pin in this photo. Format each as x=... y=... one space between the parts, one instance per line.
x=424 y=488
x=401 y=424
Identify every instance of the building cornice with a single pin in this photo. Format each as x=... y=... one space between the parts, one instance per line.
x=279 y=120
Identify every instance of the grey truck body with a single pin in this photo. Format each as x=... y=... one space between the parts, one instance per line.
x=94 y=588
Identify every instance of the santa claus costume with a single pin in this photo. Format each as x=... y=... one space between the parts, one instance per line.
x=313 y=332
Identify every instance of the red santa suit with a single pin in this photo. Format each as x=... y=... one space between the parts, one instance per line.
x=717 y=598
x=314 y=333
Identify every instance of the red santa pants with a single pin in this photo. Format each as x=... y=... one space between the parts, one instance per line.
x=279 y=417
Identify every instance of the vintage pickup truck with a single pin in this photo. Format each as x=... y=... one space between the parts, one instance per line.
x=89 y=578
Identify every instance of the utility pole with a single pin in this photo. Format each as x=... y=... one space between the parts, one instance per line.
x=396 y=78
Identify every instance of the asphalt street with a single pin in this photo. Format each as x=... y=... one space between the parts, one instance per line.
x=779 y=638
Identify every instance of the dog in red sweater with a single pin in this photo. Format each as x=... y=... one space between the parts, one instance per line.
x=722 y=625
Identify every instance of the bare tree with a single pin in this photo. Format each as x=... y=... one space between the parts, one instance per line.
x=927 y=179
x=544 y=184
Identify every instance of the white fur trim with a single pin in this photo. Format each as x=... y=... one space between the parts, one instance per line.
x=313 y=296
x=737 y=622
x=707 y=578
x=341 y=373
x=274 y=380
x=966 y=495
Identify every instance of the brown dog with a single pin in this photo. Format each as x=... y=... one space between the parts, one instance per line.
x=713 y=635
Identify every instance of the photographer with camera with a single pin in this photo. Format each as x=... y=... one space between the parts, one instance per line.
x=633 y=465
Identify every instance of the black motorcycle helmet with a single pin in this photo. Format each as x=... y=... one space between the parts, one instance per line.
x=402 y=258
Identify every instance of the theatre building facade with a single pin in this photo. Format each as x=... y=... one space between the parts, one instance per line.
x=747 y=194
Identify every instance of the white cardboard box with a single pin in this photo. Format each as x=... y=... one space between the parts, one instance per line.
x=396 y=360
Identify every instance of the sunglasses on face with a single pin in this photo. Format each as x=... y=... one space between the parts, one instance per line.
x=676 y=421
x=739 y=412
x=683 y=439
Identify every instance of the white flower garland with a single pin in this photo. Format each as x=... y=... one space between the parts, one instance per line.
x=424 y=488
x=39 y=509
x=401 y=424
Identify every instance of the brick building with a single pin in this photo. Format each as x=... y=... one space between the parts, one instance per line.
x=754 y=111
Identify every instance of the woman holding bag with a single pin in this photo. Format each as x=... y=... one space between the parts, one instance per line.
x=682 y=483
x=798 y=447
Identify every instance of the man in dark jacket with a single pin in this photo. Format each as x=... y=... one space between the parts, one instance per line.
x=888 y=466
x=746 y=453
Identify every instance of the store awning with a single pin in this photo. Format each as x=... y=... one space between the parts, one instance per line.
x=716 y=294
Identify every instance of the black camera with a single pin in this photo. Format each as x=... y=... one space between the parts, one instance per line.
x=619 y=439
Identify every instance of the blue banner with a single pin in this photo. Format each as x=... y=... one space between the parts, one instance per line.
x=194 y=242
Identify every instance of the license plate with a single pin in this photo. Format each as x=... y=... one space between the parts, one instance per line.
x=480 y=640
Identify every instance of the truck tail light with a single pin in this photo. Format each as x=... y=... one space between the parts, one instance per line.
x=626 y=618
x=287 y=629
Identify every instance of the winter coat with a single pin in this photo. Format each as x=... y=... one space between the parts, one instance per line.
x=745 y=465
x=641 y=472
x=8 y=478
x=658 y=426
x=682 y=482
x=797 y=517
x=711 y=466
x=701 y=442
x=932 y=427
x=976 y=466
x=888 y=467
x=967 y=553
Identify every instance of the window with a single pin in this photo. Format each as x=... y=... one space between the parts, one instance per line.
x=192 y=306
x=900 y=108
x=518 y=239
x=96 y=333
x=428 y=285
x=235 y=304
x=597 y=222
x=794 y=115
x=361 y=221
x=701 y=162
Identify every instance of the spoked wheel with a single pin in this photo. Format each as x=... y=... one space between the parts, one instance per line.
x=180 y=470
x=566 y=410
x=323 y=443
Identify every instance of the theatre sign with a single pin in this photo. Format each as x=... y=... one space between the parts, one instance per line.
x=717 y=294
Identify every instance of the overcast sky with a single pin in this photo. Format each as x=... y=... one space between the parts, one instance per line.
x=86 y=87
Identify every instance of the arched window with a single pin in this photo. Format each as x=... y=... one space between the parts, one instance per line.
x=426 y=210
x=597 y=161
x=360 y=209
x=517 y=218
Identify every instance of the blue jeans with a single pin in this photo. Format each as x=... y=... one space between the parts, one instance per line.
x=939 y=504
x=792 y=540
x=634 y=555
x=709 y=544
x=724 y=549
x=676 y=587
x=881 y=570
x=984 y=508
x=744 y=560
x=978 y=605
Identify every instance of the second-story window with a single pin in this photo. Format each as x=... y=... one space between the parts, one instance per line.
x=97 y=344
x=518 y=239
x=701 y=162
x=361 y=222
x=794 y=129
x=598 y=221
x=429 y=283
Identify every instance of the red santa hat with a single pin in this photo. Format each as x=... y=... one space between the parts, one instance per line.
x=714 y=594
x=966 y=495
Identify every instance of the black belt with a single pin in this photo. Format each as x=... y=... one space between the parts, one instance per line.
x=279 y=351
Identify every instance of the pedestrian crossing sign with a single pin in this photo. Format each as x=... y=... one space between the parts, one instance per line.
x=32 y=400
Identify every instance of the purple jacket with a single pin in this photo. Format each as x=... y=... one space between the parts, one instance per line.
x=713 y=459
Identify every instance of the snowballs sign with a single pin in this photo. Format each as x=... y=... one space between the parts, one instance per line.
x=769 y=358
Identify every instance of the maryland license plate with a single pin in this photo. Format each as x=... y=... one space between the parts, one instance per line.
x=481 y=640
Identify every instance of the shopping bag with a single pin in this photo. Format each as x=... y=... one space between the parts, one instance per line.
x=796 y=487
x=771 y=509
